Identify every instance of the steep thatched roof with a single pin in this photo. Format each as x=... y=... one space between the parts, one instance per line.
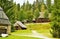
x=3 y=18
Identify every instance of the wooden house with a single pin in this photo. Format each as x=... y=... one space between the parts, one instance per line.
x=5 y=27
x=19 y=26
x=42 y=19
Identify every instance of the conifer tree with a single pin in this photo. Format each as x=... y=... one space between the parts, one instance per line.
x=55 y=19
x=49 y=5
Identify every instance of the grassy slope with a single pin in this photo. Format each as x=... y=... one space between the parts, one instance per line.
x=41 y=28
x=22 y=32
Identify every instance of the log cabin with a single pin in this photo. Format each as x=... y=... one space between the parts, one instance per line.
x=5 y=27
x=19 y=26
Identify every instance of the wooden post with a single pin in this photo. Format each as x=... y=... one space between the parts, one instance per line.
x=8 y=29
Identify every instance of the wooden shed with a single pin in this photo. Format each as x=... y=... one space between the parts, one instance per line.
x=5 y=27
x=19 y=26
x=42 y=19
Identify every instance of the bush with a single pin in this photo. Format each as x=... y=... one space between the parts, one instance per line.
x=12 y=28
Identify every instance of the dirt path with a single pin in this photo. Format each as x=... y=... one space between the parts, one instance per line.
x=34 y=34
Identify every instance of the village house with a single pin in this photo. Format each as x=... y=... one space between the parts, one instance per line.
x=41 y=18
x=5 y=27
x=19 y=26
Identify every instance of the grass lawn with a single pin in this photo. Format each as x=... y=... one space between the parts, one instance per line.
x=42 y=28
x=39 y=27
x=17 y=37
x=22 y=32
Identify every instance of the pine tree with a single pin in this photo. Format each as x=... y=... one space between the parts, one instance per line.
x=18 y=7
x=30 y=15
x=49 y=5
x=55 y=18
x=36 y=13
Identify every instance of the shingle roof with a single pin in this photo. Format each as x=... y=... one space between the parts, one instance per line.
x=3 y=18
x=18 y=23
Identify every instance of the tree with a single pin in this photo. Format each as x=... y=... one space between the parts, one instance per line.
x=18 y=7
x=49 y=5
x=55 y=19
x=36 y=14
x=42 y=7
x=22 y=15
x=30 y=15
x=7 y=6
x=46 y=14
